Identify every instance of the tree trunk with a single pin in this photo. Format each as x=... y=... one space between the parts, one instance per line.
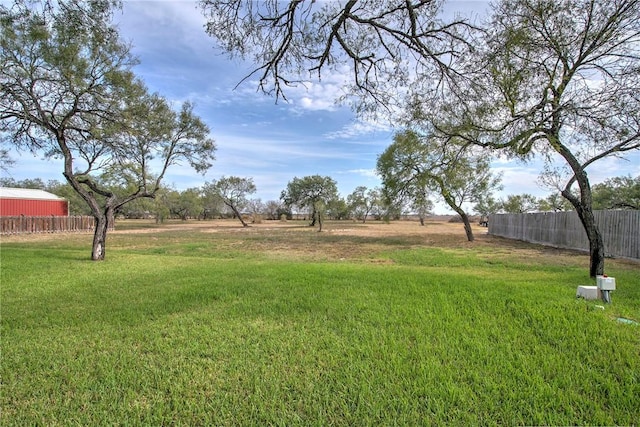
x=596 y=254
x=596 y=244
x=313 y=216
x=319 y=216
x=237 y=213
x=584 y=209
x=99 y=238
x=465 y=218
x=467 y=225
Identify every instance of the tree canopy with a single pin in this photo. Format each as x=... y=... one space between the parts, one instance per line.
x=417 y=161
x=382 y=42
x=313 y=192
x=364 y=201
x=233 y=192
x=68 y=91
x=557 y=80
x=621 y=192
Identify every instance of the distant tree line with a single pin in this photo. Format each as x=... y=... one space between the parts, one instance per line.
x=614 y=193
x=312 y=197
x=316 y=197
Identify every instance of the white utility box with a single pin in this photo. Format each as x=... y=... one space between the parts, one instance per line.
x=606 y=283
x=588 y=292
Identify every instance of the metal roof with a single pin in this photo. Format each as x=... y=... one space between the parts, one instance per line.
x=26 y=193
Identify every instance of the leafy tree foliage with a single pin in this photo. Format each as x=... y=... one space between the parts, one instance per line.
x=487 y=205
x=617 y=193
x=6 y=162
x=338 y=209
x=415 y=198
x=35 y=183
x=185 y=204
x=313 y=192
x=556 y=79
x=68 y=91
x=419 y=161
x=364 y=201
x=233 y=192
x=520 y=203
x=421 y=204
x=555 y=202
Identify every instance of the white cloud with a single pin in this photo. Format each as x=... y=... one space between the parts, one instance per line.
x=370 y=173
x=315 y=104
x=519 y=179
x=357 y=128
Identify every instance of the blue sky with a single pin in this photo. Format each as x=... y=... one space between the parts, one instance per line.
x=257 y=137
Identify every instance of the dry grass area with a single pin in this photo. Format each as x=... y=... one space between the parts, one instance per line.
x=339 y=240
x=444 y=231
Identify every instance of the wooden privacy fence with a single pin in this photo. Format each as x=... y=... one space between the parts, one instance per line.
x=45 y=224
x=620 y=230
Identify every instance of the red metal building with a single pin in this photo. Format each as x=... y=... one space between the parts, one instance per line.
x=28 y=202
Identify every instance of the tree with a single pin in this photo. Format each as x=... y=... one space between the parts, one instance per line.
x=212 y=204
x=233 y=192
x=272 y=209
x=312 y=192
x=485 y=207
x=68 y=91
x=256 y=208
x=555 y=202
x=420 y=161
x=621 y=192
x=520 y=203
x=421 y=204
x=36 y=183
x=382 y=41
x=558 y=79
x=158 y=206
x=337 y=208
x=362 y=201
x=413 y=198
x=184 y=204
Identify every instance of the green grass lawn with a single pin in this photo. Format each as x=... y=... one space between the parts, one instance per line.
x=284 y=327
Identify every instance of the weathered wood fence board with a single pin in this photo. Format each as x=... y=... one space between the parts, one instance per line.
x=45 y=224
x=620 y=230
